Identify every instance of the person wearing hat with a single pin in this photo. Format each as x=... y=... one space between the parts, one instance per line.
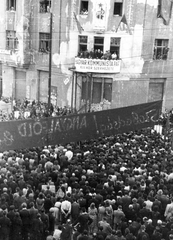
x=164 y=230
x=11 y=215
x=149 y=227
x=142 y=234
x=67 y=229
x=37 y=228
x=17 y=227
x=157 y=235
x=25 y=216
x=45 y=220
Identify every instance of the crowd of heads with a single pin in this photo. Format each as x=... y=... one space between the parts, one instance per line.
x=98 y=54
x=29 y=109
x=116 y=187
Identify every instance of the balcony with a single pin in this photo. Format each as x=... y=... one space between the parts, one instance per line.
x=97 y=65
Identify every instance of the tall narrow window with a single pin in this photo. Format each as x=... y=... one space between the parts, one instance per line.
x=44 y=42
x=11 y=5
x=11 y=40
x=102 y=90
x=118 y=7
x=161 y=49
x=86 y=88
x=83 y=43
x=98 y=43
x=45 y=6
x=84 y=8
x=115 y=46
x=156 y=89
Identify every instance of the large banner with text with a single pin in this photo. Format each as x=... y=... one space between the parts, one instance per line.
x=71 y=128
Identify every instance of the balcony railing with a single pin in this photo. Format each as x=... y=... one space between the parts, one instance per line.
x=97 y=65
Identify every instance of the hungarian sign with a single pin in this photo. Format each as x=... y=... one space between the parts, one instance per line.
x=60 y=130
x=97 y=65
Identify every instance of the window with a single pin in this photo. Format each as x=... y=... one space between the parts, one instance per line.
x=83 y=43
x=11 y=40
x=115 y=46
x=160 y=49
x=86 y=88
x=159 y=9
x=156 y=90
x=45 y=6
x=102 y=90
x=84 y=8
x=118 y=7
x=44 y=42
x=11 y=5
x=98 y=43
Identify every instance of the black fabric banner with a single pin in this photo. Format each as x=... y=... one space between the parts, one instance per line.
x=59 y=130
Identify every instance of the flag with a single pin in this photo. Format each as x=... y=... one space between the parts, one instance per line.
x=79 y=27
x=123 y=25
x=10 y=20
x=166 y=10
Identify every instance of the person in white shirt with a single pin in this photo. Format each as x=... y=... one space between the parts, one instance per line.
x=65 y=210
x=69 y=154
x=57 y=233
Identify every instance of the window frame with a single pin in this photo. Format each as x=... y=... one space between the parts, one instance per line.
x=46 y=39
x=163 y=48
x=44 y=6
x=96 y=45
x=156 y=82
x=115 y=46
x=120 y=6
x=82 y=12
x=13 y=40
x=102 y=81
x=82 y=43
x=9 y=5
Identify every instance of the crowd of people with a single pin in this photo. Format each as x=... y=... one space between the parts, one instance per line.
x=98 y=54
x=26 y=109
x=110 y=188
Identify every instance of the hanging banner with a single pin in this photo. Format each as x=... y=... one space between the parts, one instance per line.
x=29 y=133
x=97 y=65
x=99 y=15
x=10 y=20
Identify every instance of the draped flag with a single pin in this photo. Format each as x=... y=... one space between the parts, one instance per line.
x=123 y=25
x=79 y=27
x=166 y=10
x=10 y=20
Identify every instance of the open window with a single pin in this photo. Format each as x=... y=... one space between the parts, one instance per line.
x=118 y=7
x=84 y=7
x=99 y=43
x=161 y=49
x=11 y=5
x=115 y=46
x=45 y=6
x=44 y=42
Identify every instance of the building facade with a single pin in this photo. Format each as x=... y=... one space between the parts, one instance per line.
x=105 y=53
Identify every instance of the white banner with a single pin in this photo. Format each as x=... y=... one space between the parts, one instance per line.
x=99 y=17
x=97 y=65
